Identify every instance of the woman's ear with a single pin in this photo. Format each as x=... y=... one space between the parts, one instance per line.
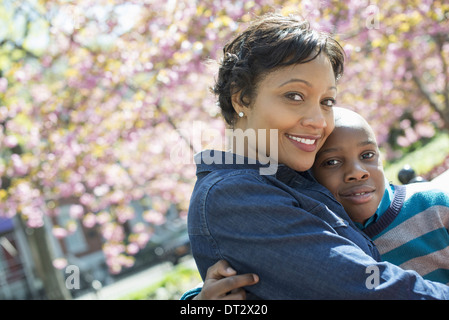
x=237 y=103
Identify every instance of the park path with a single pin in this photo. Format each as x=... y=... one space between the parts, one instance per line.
x=135 y=282
x=442 y=180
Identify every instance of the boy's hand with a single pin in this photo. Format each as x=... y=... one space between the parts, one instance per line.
x=223 y=283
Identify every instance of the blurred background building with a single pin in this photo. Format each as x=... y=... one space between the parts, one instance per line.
x=83 y=248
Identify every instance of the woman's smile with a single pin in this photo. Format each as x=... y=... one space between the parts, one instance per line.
x=305 y=143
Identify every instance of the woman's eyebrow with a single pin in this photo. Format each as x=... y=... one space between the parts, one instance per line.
x=307 y=83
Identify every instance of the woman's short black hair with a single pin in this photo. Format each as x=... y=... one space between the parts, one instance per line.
x=270 y=42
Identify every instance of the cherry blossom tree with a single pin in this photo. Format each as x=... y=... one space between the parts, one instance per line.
x=100 y=101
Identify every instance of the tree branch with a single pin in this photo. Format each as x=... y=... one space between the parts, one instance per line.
x=19 y=47
x=440 y=40
x=427 y=95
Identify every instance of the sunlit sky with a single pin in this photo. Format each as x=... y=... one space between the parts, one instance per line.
x=12 y=25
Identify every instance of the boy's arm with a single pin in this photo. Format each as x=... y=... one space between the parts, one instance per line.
x=222 y=283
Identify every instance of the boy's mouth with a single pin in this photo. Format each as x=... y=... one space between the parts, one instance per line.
x=358 y=195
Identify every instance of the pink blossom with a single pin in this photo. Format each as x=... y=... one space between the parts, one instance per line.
x=20 y=168
x=154 y=217
x=3 y=85
x=59 y=263
x=76 y=211
x=59 y=232
x=66 y=190
x=35 y=221
x=3 y=113
x=113 y=249
x=89 y=220
x=10 y=141
x=425 y=130
x=103 y=217
x=142 y=239
x=72 y=226
x=138 y=227
x=132 y=248
x=113 y=232
x=117 y=196
x=87 y=199
x=126 y=261
x=124 y=214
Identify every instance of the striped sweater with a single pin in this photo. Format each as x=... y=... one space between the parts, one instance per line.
x=413 y=232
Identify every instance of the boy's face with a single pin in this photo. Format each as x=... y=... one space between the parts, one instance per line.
x=350 y=166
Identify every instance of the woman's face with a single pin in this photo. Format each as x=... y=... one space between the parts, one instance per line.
x=297 y=101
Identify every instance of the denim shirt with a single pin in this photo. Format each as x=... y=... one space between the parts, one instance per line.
x=290 y=230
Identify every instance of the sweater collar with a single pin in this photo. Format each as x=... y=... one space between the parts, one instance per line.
x=390 y=214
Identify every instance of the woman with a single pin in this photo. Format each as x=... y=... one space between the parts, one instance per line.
x=279 y=76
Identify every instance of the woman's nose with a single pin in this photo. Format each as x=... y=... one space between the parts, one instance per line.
x=314 y=118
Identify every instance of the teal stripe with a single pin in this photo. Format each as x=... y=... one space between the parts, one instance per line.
x=430 y=242
x=419 y=202
x=439 y=275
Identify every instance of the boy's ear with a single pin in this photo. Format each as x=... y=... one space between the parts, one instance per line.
x=382 y=158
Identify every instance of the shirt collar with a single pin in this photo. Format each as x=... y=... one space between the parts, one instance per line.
x=211 y=160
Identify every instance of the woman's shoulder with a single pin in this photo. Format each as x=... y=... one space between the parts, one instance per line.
x=222 y=191
x=237 y=178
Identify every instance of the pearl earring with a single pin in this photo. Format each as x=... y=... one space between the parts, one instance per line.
x=241 y=114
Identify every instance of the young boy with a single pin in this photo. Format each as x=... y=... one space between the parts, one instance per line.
x=409 y=224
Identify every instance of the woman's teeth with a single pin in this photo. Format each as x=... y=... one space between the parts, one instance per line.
x=302 y=140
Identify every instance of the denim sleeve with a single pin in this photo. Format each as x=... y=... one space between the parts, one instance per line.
x=261 y=228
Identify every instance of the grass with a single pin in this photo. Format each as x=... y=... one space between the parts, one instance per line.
x=170 y=287
x=422 y=160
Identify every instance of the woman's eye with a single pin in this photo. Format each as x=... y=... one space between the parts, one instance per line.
x=329 y=102
x=294 y=96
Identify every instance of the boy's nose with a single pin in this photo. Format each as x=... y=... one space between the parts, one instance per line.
x=356 y=172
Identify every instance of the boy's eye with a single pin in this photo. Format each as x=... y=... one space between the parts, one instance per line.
x=331 y=162
x=368 y=155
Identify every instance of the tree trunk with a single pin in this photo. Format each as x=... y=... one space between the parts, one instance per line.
x=42 y=253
